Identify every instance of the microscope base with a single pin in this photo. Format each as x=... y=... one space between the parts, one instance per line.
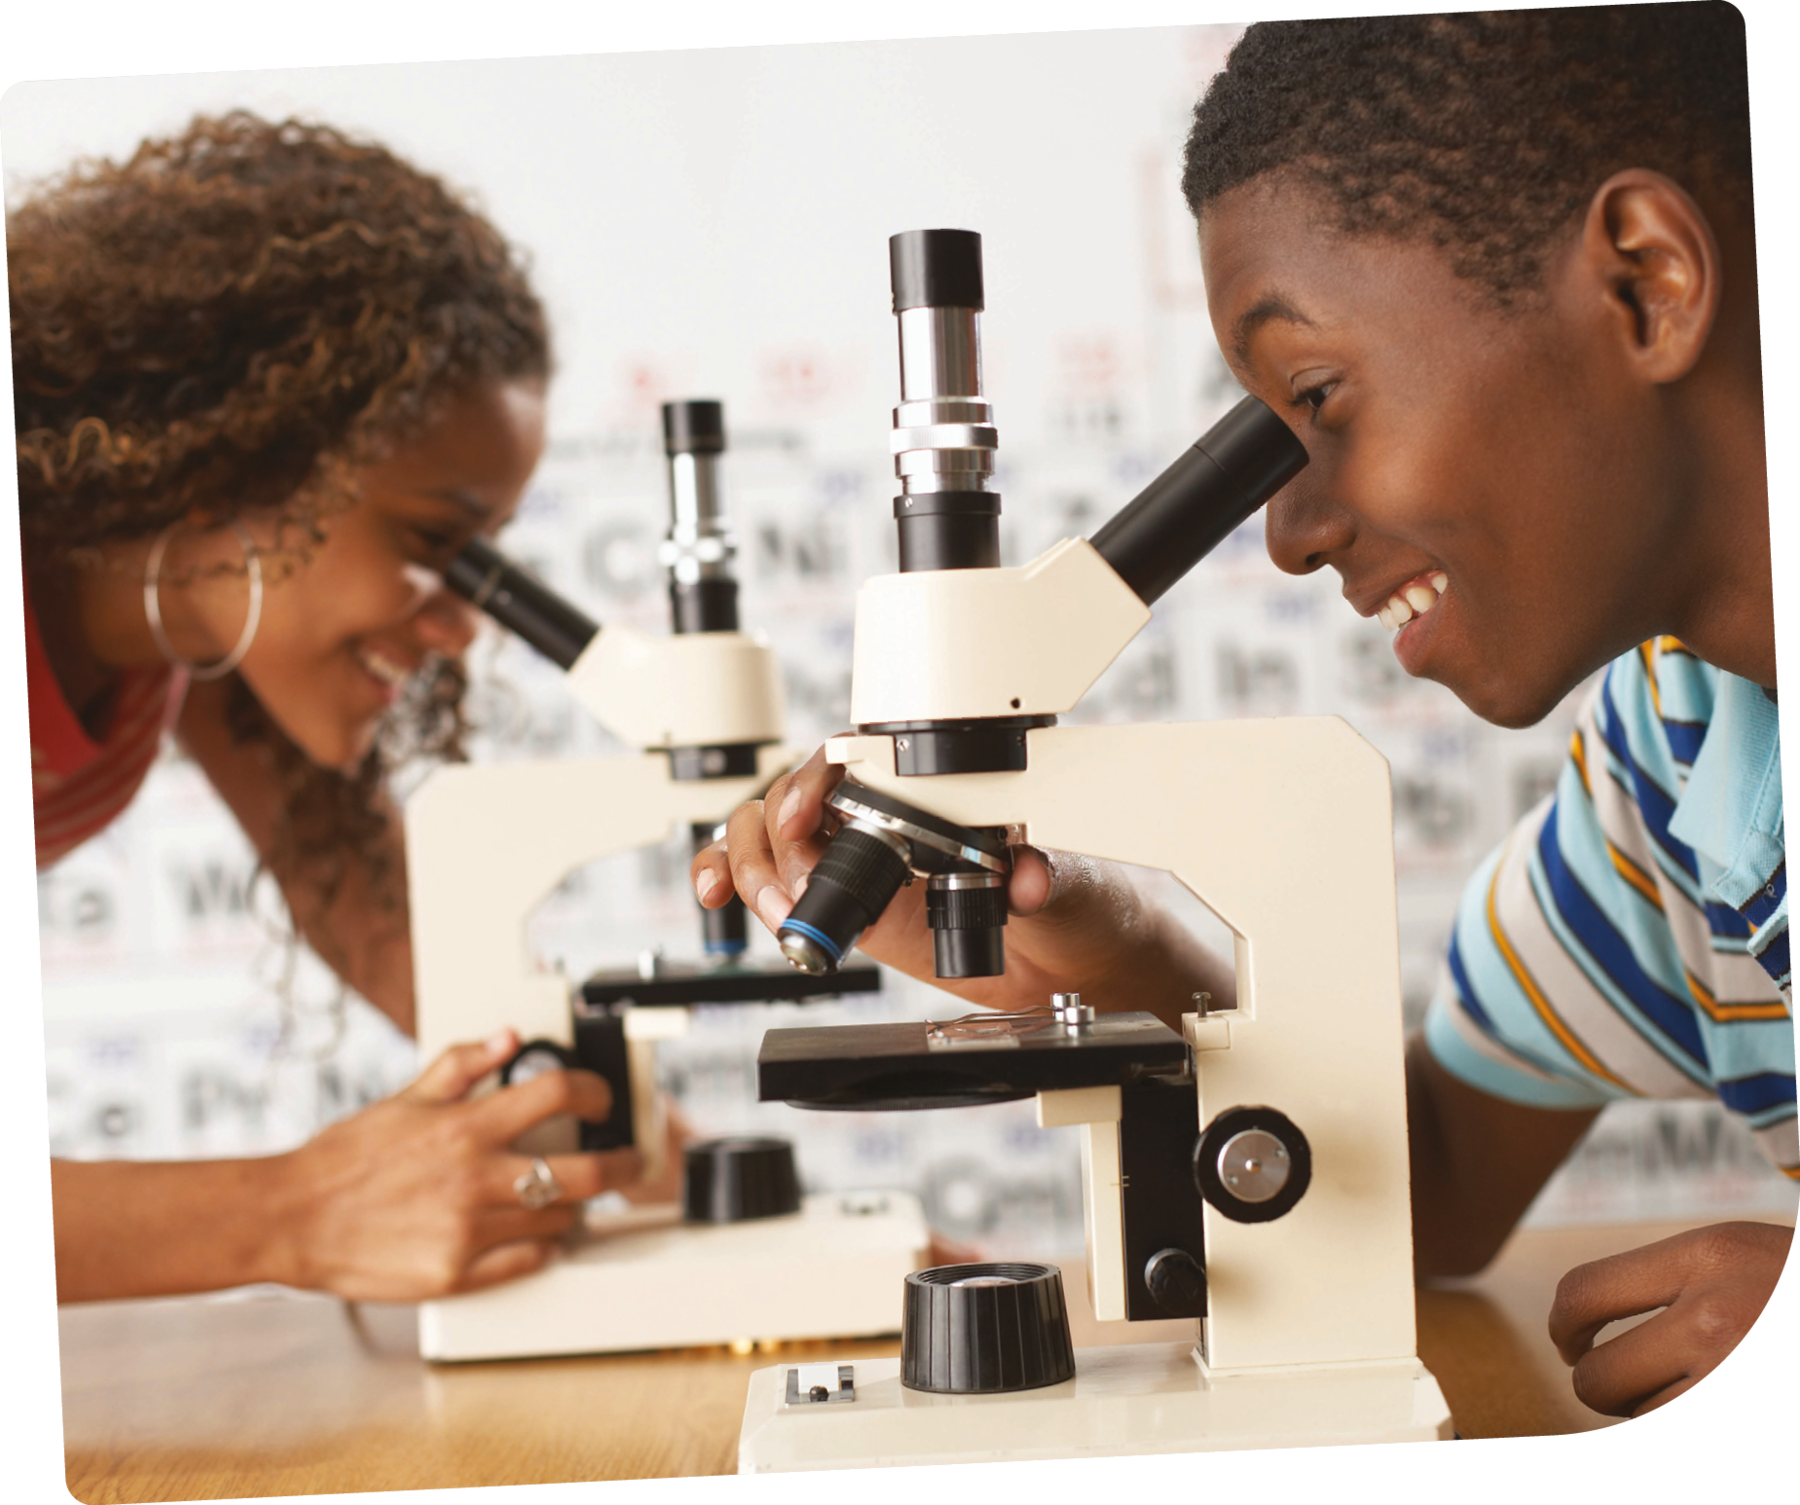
x=832 y=1270
x=1132 y=1398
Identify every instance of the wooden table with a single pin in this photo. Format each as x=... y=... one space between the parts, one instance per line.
x=211 y=1398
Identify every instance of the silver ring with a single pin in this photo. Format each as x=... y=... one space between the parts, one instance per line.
x=153 y=605
x=538 y=1187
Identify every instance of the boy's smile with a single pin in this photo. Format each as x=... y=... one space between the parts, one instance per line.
x=1506 y=490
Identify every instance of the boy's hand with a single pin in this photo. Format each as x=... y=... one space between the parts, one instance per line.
x=1076 y=923
x=1710 y=1285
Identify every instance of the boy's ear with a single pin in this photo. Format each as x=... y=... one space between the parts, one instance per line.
x=1653 y=254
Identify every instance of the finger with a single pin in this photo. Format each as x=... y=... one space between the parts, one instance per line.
x=1665 y=1395
x=1618 y=1376
x=710 y=873
x=795 y=816
x=1606 y=1290
x=753 y=866
x=504 y=1115
x=580 y=1176
x=449 y=1077
x=503 y=1262
x=507 y=1225
x=947 y=1251
x=799 y=809
x=1028 y=890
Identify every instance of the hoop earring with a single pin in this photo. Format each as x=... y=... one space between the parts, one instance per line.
x=153 y=606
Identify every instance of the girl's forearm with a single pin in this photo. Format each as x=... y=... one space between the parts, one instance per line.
x=132 y=1228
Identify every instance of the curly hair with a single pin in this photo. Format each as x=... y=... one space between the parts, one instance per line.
x=1487 y=133
x=236 y=318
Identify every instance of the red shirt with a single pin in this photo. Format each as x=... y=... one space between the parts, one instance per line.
x=80 y=786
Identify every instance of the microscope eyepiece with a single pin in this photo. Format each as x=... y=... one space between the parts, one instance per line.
x=1184 y=514
x=703 y=593
x=944 y=437
x=693 y=427
x=520 y=602
x=936 y=269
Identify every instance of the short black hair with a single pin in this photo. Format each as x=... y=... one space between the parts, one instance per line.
x=1485 y=132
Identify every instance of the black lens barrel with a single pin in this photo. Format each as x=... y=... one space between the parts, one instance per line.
x=948 y=530
x=846 y=893
x=966 y=925
x=519 y=602
x=707 y=605
x=1183 y=515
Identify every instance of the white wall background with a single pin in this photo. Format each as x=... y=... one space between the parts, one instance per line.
x=715 y=224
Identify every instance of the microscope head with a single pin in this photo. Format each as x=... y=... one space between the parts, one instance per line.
x=958 y=660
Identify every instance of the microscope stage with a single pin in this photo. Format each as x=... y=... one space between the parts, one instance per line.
x=646 y=1280
x=978 y=1059
x=682 y=984
x=1131 y=1398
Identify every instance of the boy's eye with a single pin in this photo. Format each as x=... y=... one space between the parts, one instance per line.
x=433 y=541
x=1314 y=397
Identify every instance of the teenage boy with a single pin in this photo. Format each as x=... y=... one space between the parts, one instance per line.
x=1499 y=272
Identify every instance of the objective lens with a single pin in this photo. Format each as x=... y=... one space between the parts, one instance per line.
x=966 y=912
x=859 y=873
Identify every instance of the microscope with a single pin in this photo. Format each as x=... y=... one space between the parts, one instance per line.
x=485 y=844
x=1247 y=1171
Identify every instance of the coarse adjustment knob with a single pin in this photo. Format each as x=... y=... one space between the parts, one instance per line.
x=734 y=1180
x=1176 y=1282
x=983 y=1329
x=534 y=1058
x=1252 y=1164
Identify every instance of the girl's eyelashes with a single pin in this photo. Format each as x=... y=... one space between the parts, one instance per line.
x=433 y=543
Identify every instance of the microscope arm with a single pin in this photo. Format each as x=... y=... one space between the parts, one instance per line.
x=1283 y=828
x=486 y=843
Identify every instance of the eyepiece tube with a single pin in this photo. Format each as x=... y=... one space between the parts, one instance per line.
x=944 y=438
x=519 y=602
x=703 y=595
x=1183 y=515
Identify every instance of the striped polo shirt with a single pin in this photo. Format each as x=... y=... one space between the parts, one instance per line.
x=80 y=786
x=1630 y=937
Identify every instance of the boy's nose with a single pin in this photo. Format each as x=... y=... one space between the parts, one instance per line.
x=1304 y=530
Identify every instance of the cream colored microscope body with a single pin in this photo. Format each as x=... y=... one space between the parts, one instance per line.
x=1283 y=828
x=485 y=844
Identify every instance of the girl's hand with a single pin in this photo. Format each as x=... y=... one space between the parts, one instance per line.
x=1710 y=1285
x=415 y=1197
x=1077 y=924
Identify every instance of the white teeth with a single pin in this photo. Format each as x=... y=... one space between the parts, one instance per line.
x=1413 y=600
x=384 y=669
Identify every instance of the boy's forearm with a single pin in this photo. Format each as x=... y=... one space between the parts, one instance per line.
x=1477 y=1162
x=128 y=1228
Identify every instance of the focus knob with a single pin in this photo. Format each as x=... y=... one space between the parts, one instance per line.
x=733 y=1180
x=1176 y=1282
x=1252 y=1164
x=983 y=1329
